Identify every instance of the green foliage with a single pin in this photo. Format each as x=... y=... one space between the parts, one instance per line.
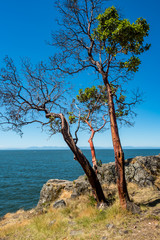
x=121 y=36
x=132 y=64
x=99 y=163
x=122 y=109
x=72 y=119
x=88 y=105
x=88 y=93
x=122 y=98
x=93 y=98
x=92 y=201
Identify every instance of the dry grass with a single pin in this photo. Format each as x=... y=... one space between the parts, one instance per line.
x=82 y=220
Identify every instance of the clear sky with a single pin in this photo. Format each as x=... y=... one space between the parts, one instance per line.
x=26 y=26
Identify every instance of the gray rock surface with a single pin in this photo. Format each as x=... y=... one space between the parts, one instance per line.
x=59 y=204
x=144 y=171
x=51 y=191
x=140 y=170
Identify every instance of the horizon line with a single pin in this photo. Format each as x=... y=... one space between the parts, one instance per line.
x=81 y=147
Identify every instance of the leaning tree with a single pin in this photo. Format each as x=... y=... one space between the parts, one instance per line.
x=110 y=45
x=36 y=95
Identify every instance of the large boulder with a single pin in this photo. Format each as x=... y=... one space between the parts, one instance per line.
x=144 y=171
x=52 y=190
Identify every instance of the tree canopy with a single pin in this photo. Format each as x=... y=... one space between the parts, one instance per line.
x=119 y=36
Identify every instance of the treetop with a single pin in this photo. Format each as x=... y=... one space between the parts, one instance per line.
x=120 y=36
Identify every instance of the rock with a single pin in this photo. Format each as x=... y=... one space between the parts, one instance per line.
x=106 y=173
x=51 y=191
x=102 y=206
x=104 y=238
x=59 y=204
x=76 y=232
x=156 y=212
x=80 y=186
x=132 y=207
x=74 y=194
x=143 y=170
x=71 y=223
x=120 y=232
x=110 y=226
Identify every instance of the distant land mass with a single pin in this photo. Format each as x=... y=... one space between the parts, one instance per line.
x=84 y=147
x=81 y=147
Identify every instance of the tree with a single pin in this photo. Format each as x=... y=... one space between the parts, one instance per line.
x=89 y=108
x=110 y=45
x=32 y=94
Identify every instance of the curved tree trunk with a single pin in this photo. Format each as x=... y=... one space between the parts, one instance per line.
x=118 y=152
x=92 y=177
x=93 y=153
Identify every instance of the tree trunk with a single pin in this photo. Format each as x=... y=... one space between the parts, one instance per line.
x=93 y=153
x=118 y=152
x=92 y=177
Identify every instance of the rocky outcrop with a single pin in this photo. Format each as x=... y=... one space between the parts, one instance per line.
x=52 y=189
x=144 y=171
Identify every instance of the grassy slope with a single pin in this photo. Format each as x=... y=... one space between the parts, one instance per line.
x=81 y=220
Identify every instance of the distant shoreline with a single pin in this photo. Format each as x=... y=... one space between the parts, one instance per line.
x=66 y=148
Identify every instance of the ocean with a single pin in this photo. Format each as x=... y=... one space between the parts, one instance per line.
x=23 y=172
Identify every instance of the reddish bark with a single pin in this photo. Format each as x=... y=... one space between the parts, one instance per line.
x=93 y=153
x=119 y=155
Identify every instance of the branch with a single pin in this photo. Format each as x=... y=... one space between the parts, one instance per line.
x=103 y=124
x=79 y=119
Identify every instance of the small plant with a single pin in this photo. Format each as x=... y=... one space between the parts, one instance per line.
x=85 y=178
x=102 y=175
x=99 y=163
x=66 y=211
x=101 y=215
x=92 y=201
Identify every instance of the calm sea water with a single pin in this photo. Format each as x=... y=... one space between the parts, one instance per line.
x=23 y=172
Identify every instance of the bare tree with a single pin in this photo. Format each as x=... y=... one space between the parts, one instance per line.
x=110 y=46
x=34 y=95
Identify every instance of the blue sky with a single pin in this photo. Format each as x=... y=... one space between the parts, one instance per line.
x=26 y=26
